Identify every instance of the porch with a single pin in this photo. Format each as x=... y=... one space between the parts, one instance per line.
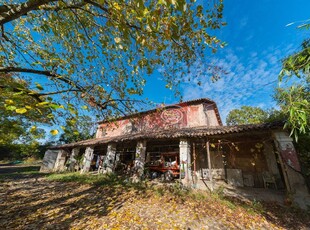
x=242 y=157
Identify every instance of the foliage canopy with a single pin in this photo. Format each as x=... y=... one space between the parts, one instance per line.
x=295 y=100
x=96 y=54
x=17 y=127
x=246 y=115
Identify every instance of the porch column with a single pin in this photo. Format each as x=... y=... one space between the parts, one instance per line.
x=60 y=160
x=271 y=159
x=73 y=161
x=88 y=156
x=140 y=155
x=110 y=159
x=185 y=161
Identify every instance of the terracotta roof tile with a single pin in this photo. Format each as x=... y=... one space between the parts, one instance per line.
x=202 y=131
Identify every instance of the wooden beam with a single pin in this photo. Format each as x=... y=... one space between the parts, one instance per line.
x=209 y=164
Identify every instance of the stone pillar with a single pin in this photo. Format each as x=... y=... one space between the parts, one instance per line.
x=140 y=156
x=60 y=161
x=295 y=182
x=185 y=161
x=88 y=156
x=73 y=161
x=271 y=159
x=110 y=159
x=49 y=160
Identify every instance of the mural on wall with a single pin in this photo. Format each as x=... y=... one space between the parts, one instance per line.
x=174 y=117
x=289 y=155
x=162 y=118
x=168 y=117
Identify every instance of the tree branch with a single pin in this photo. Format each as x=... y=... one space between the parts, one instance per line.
x=27 y=91
x=40 y=72
x=59 y=92
x=97 y=5
x=91 y=100
x=11 y=12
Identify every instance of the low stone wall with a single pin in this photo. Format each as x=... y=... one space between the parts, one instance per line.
x=49 y=161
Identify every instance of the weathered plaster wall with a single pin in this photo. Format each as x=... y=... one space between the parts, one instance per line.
x=176 y=117
x=49 y=160
x=272 y=164
x=211 y=116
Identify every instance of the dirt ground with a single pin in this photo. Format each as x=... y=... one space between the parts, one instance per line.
x=30 y=201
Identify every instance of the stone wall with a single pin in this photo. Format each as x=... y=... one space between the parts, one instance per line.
x=49 y=160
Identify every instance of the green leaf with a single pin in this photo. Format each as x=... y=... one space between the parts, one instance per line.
x=55 y=106
x=39 y=86
x=19 y=93
x=76 y=133
x=51 y=116
x=73 y=111
x=10 y=108
x=43 y=103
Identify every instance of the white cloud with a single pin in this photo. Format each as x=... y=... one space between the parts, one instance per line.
x=248 y=82
x=243 y=22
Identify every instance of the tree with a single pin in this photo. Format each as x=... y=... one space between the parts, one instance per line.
x=96 y=54
x=17 y=127
x=246 y=115
x=295 y=100
x=85 y=129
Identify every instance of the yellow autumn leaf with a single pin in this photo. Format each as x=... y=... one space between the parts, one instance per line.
x=116 y=6
x=54 y=132
x=117 y=40
x=9 y=102
x=21 y=110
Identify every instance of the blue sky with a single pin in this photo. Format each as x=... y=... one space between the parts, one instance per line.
x=258 y=39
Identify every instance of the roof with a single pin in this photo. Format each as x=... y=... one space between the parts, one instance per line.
x=200 y=132
x=184 y=103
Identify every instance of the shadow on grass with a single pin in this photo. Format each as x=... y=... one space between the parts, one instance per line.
x=53 y=204
x=96 y=180
x=8 y=169
x=19 y=172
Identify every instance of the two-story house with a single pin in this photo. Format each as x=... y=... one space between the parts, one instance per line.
x=189 y=141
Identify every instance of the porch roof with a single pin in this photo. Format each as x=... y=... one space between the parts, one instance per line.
x=202 y=131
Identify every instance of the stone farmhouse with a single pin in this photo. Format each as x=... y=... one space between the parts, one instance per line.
x=188 y=141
